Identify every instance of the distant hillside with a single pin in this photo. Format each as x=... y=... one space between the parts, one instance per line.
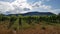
x=38 y=14
x=35 y=14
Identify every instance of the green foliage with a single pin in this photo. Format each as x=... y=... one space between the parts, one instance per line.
x=25 y=21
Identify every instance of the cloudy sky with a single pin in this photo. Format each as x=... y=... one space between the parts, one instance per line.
x=24 y=6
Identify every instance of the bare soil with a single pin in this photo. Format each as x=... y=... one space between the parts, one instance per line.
x=38 y=29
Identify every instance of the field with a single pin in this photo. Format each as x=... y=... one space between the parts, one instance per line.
x=37 y=29
x=29 y=24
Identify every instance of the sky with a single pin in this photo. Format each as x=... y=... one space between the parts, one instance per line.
x=24 y=6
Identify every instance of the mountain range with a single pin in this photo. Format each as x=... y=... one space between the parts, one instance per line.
x=35 y=14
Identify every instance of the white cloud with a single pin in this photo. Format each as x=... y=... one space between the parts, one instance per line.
x=21 y=3
x=5 y=6
x=21 y=6
x=15 y=7
x=41 y=6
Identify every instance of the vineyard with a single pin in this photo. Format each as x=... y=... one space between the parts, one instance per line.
x=30 y=24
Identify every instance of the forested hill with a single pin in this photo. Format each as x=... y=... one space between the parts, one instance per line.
x=38 y=14
x=35 y=14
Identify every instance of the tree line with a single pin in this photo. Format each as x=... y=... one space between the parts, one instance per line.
x=29 y=19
